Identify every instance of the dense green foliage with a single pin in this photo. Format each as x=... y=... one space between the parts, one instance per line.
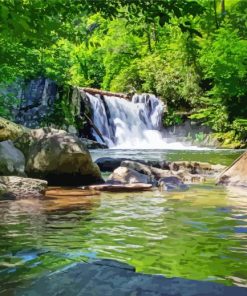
x=191 y=53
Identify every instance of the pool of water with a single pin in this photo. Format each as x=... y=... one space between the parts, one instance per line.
x=200 y=233
x=214 y=156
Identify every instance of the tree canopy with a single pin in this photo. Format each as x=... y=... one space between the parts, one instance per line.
x=192 y=53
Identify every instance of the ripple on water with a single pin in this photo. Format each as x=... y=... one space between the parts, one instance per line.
x=197 y=234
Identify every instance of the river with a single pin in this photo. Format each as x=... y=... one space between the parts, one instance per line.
x=200 y=233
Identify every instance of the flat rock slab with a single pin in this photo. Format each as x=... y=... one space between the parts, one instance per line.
x=109 y=278
x=121 y=187
x=61 y=192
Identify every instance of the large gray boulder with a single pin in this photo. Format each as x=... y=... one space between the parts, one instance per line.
x=59 y=157
x=19 y=187
x=12 y=161
x=126 y=175
x=236 y=174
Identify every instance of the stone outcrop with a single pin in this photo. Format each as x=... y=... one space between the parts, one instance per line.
x=10 y=131
x=236 y=174
x=12 y=161
x=19 y=187
x=37 y=101
x=59 y=158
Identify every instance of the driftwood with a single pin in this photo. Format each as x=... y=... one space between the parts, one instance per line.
x=121 y=187
x=96 y=91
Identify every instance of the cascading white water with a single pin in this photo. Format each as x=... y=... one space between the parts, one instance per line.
x=132 y=124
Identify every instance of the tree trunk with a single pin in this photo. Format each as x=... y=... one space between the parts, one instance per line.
x=223 y=9
x=215 y=15
x=95 y=91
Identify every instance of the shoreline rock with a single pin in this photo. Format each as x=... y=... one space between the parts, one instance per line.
x=58 y=157
x=236 y=174
x=14 y=187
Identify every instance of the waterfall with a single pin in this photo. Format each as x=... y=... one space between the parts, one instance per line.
x=134 y=124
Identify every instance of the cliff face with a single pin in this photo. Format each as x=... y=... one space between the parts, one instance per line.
x=41 y=102
x=36 y=102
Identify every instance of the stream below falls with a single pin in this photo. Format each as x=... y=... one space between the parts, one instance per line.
x=199 y=234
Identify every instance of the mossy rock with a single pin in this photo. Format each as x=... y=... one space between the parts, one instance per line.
x=10 y=130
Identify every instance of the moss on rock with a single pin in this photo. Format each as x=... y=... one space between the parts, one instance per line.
x=10 y=130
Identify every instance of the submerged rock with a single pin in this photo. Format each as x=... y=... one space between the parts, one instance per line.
x=12 y=161
x=108 y=277
x=59 y=158
x=19 y=187
x=236 y=174
x=69 y=192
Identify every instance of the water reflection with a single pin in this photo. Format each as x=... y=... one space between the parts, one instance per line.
x=197 y=234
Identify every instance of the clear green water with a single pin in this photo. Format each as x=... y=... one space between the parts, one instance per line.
x=221 y=156
x=197 y=234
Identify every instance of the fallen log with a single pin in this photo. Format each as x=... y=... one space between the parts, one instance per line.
x=121 y=187
x=96 y=129
x=96 y=91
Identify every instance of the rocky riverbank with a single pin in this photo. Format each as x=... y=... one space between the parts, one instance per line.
x=32 y=159
x=55 y=156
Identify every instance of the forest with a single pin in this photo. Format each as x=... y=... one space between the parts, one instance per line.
x=192 y=54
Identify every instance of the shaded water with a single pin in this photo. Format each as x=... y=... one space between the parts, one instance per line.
x=197 y=234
